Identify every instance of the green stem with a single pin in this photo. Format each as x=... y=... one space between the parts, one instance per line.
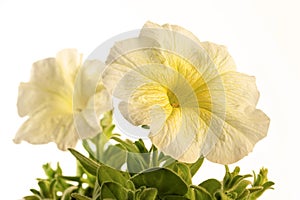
x=154 y=156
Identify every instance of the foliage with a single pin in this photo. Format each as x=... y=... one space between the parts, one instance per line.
x=157 y=179
x=128 y=170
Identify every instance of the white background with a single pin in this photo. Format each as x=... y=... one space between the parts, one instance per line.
x=261 y=35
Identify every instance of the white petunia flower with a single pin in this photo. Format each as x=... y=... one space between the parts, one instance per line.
x=63 y=100
x=188 y=92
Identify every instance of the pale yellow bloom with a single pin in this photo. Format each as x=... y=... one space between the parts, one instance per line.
x=63 y=100
x=188 y=92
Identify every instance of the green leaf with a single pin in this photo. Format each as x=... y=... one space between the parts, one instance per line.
x=182 y=170
x=261 y=184
x=175 y=197
x=70 y=178
x=36 y=192
x=166 y=159
x=48 y=170
x=96 y=191
x=141 y=146
x=129 y=145
x=108 y=131
x=67 y=193
x=80 y=197
x=88 y=164
x=113 y=190
x=116 y=150
x=254 y=194
x=223 y=196
x=114 y=156
x=229 y=176
x=147 y=194
x=244 y=195
x=194 y=167
x=165 y=180
x=58 y=170
x=52 y=187
x=108 y=174
x=261 y=178
x=86 y=143
x=138 y=157
x=238 y=178
x=107 y=119
x=32 y=198
x=268 y=185
x=153 y=155
x=137 y=162
x=211 y=186
x=44 y=188
x=201 y=193
x=240 y=187
x=145 y=126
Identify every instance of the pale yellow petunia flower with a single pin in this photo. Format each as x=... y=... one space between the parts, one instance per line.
x=188 y=92
x=63 y=100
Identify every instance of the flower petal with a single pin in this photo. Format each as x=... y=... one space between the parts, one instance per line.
x=102 y=102
x=164 y=34
x=88 y=82
x=183 y=51
x=69 y=61
x=137 y=109
x=177 y=134
x=149 y=85
x=42 y=128
x=57 y=73
x=51 y=84
x=45 y=69
x=33 y=97
x=243 y=125
x=220 y=56
x=127 y=55
x=140 y=89
x=87 y=120
x=241 y=132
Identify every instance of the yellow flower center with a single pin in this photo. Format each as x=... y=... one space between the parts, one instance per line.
x=173 y=99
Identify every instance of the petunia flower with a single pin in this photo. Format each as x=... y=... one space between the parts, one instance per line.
x=63 y=100
x=188 y=92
